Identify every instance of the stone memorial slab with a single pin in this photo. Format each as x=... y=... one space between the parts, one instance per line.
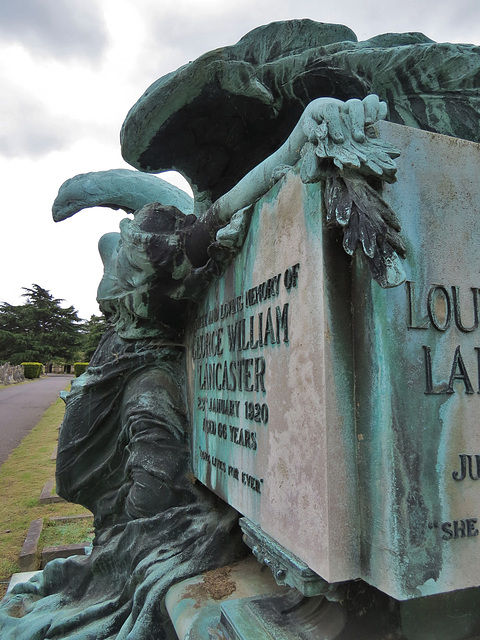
x=272 y=377
x=338 y=416
x=417 y=355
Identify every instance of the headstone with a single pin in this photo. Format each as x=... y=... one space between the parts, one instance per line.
x=338 y=416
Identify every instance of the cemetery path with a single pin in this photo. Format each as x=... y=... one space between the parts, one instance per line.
x=22 y=406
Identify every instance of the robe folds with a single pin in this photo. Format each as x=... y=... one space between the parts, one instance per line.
x=124 y=454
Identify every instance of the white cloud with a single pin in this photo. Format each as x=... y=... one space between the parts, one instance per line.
x=28 y=128
x=66 y=28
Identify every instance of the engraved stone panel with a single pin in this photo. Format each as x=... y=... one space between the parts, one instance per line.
x=418 y=378
x=272 y=382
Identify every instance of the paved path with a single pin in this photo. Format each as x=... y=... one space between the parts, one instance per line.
x=22 y=406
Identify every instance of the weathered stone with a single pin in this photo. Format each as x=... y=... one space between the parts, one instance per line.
x=417 y=379
x=83 y=516
x=272 y=383
x=11 y=374
x=194 y=604
x=47 y=495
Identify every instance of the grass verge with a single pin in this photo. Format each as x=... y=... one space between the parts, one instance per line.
x=59 y=533
x=22 y=478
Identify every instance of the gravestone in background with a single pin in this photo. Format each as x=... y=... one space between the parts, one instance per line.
x=340 y=417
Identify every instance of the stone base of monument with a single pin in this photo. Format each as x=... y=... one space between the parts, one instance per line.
x=196 y=605
x=365 y=613
x=294 y=617
x=245 y=602
x=350 y=610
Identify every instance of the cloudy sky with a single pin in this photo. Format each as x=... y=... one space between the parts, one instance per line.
x=71 y=69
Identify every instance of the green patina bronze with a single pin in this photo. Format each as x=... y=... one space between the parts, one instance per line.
x=232 y=123
x=117 y=189
x=216 y=118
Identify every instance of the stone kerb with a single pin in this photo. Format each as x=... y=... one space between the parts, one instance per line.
x=28 y=558
x=338 y=416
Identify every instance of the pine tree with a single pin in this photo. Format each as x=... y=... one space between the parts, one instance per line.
x=40 y=330
x=92 y=331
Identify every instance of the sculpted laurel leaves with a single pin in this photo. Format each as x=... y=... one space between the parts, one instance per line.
x=367 y=222
x=351 y=203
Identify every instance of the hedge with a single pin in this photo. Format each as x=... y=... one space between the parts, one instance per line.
x=79 y=368
x=32 y=369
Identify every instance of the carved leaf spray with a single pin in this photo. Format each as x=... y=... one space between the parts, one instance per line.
x=351 y=203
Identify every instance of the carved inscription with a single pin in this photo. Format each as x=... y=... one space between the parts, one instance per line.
x=249 y=481
x=468 y=467
x=231 y=350
x=457 y=529
x=441 y=309
x=458 y=371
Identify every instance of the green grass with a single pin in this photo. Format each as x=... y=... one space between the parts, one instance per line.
x=22 y=478
x=55 y=533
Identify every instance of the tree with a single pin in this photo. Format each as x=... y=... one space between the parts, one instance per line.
x=92 y=331
x=40 y=330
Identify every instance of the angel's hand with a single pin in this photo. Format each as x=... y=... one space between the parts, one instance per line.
x=343 y=132
x=329 y=116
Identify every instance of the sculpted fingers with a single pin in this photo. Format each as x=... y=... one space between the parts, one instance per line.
x=374 y=109
x=331 y=114
x=340 y=131
x=320 y=116
x=382 y=111
x=309 y=127
x=359 y=114
x=355 y=111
